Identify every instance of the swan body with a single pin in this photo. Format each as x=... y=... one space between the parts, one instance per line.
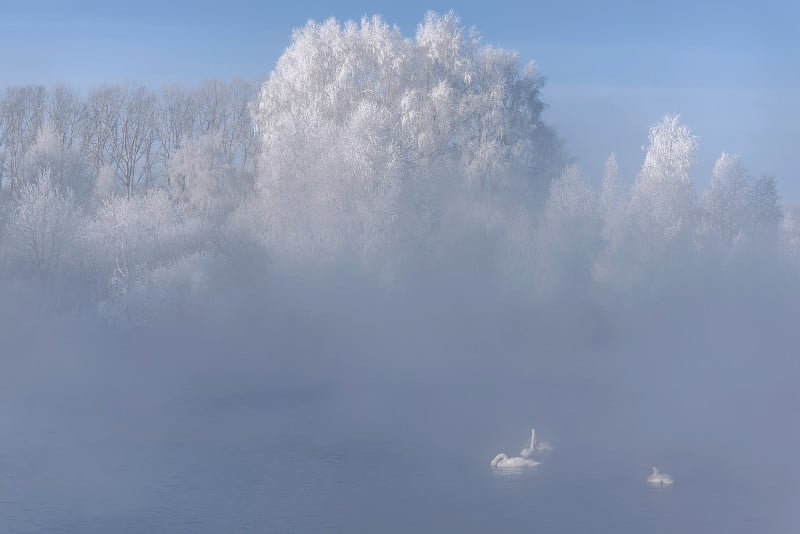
x=503 y=461
x=659 y=479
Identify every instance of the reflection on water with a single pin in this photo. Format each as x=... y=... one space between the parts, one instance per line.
x=512 y=471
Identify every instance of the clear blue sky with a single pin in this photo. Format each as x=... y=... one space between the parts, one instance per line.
x=731 y=69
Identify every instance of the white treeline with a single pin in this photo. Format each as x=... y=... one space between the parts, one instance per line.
x=118 y=192
x=362 y=148
x=126 y=139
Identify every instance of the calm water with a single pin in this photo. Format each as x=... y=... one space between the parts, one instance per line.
x=264 y=464
x=199 y=441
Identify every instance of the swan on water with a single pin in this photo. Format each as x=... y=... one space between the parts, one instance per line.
x=536 y=446
x=523 y=460
x=659 y=479
x=528 y=451
x=503 y=461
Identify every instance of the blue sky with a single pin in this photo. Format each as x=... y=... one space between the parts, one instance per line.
x=613 y=68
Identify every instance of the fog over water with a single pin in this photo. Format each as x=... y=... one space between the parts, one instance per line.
x=382 y=412
x=333 y=321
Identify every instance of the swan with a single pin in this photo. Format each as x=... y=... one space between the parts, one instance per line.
x=503 y=461
x=659 y=479
x=523 y=460
x=536 y=446
x=528 y=451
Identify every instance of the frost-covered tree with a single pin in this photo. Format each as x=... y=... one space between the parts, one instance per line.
x=22 y=111
x=569 y=235
x=49 y=152
x=724 y=216
x=175 y=121
x=120 y=133
x=224 y=109
x=613 y=204
x=202 y=173
x=130 y=147
x=764 y=204
x=358 y=124
x=103 y=106
x=612 y=263
x=167 y=289
x=144 y=230
x=64 y=120
x=764 y=215
x=44 y=228
x=43 y=155
x=662 y=203
x=130 y=238
x=240 y=138
x=216 y=111
x=362 y=146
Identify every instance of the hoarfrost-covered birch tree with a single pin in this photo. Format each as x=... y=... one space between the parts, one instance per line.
x=662 y=204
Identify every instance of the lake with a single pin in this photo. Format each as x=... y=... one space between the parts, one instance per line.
x=344 y=432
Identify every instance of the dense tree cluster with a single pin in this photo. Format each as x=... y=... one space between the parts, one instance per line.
x=362 y=147
x=364 y=131
x=124 y=139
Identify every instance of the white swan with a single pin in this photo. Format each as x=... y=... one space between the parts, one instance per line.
x=536 y=446
x=659 y=479
x=527 y=452
x=502 y=461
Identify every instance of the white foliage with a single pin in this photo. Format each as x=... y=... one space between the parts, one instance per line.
x=22 y=111
x=662 y=204
x=106 y=184
x=162 y=292
x=365 y=147
x=201 y=173
x=361 y=127
x=133 y=237
x=725 y=204
x=571 y=206
x=44 y=228
x=42 y=154
x=64 y=163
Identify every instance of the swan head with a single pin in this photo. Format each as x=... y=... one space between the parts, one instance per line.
x=655 y=470
x=497 y=459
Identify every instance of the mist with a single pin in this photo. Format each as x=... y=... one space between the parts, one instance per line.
x=325 y=301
